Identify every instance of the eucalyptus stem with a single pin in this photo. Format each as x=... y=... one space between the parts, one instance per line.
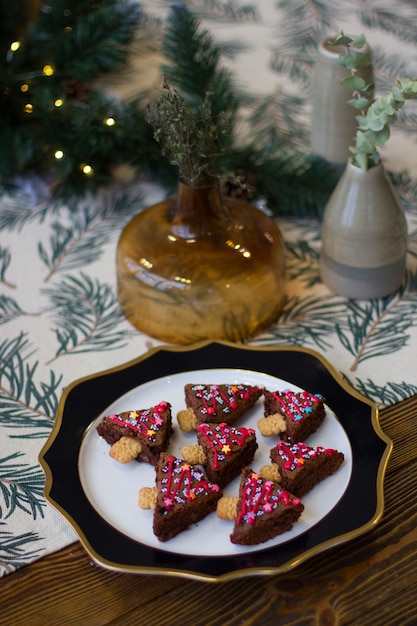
x=375 y=116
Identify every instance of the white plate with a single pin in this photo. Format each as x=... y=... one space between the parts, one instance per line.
x=112 y=488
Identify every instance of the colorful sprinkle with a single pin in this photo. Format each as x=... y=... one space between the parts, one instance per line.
x=297 y=406
x=147 y=422
x=215 y=400
x=260 y=497
x=294 y=455
x=183 y=482
x=222 y=438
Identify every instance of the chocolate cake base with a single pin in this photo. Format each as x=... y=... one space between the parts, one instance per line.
x=185 y=497
x=264 y=510
x=220 y=403
x=152 y=428
x=302 y=467
x=227 y=450
x=303 y=412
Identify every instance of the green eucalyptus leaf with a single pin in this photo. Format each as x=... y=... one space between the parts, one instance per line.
x=340 y=40
x=381 y=104
x=362 y=122
x=359 y=103
x=409 y=87
x=389 y=119
x=345 y=60
x=405 y=84
x=359 y=41
x=361 y=160
x=361 y=59
x=354 y=59
x=365 y=141
x=391 y=109
x=398 y=95
x=377 y=116
x=382 y=136
x=356 y=83
x=374 y=120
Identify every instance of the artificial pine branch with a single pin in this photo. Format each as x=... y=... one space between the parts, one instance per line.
x=194 y=63
x=51 y=116
x=77 y=129
x=292 y=183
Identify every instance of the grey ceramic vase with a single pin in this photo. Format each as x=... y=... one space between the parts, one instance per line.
x=333 y=120
x=364 y=235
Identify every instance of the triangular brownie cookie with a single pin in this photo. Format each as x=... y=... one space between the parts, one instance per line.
x=302 y=411
x=220 y=403
x=152 y=428
x=184 y=496
x=301 y=467
x=264 y=510
x=227 y=450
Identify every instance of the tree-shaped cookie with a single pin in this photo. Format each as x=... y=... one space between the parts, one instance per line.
x=223 y=450
x=219 y=403
x=184 y=496
x=141 y=434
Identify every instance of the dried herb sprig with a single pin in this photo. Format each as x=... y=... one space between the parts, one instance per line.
x=189 y=139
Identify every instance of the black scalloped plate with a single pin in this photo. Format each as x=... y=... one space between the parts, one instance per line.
x=359 y=509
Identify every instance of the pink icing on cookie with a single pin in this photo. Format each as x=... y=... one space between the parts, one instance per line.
x=297 y=405
x=259 y=498
x=146 y=422
x=222 y=437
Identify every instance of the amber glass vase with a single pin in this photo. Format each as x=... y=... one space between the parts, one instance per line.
x=200 y=266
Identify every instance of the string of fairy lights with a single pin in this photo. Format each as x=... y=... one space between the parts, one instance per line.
x=59 y=120
x=46 y=123
x=28 y=108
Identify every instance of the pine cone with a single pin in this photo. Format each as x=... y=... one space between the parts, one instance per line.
x=239 y=185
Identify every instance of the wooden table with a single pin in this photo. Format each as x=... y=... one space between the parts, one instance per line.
x=370 y=580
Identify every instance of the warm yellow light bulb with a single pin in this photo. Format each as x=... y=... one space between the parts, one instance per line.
x=58 y=102
x=15 y=45
x=110 y=121
x=24 y=88
x=59 y=154
x=28 y=108
x=87 y=169
x=48 y=70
